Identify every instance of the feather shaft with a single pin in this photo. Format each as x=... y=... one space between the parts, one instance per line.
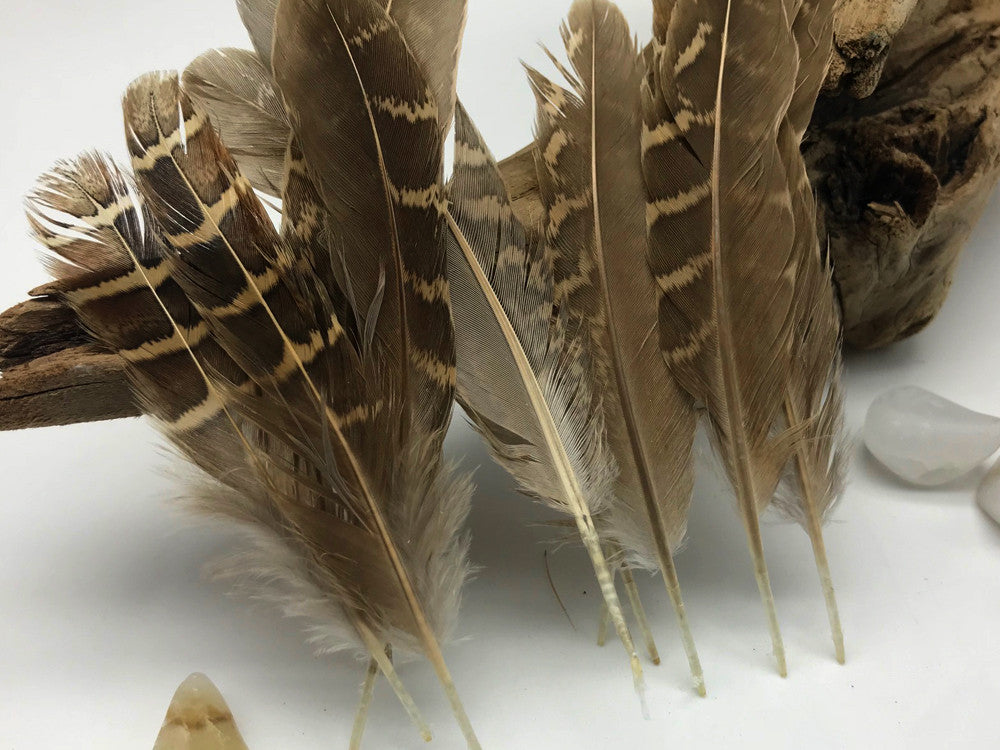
x=380 y=659
x=638 y=611
x=364 y=706
x=814 y=528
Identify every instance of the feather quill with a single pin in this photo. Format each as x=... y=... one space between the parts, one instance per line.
x=591 y=183
x=522 y=380
x=721 y=231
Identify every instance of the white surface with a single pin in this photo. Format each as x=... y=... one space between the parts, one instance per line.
x=103 y=610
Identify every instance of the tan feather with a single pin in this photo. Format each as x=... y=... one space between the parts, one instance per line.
x=814 y=404
x=590 y=174
x=722 y=80
x=524 y=382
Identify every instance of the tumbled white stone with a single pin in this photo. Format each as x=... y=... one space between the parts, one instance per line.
x=988 y=494
x=199 y=719
x=926 y=439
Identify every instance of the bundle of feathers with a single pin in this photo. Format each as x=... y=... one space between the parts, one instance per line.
x=308 y=367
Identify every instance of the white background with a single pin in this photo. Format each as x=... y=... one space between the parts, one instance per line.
x=103 y=609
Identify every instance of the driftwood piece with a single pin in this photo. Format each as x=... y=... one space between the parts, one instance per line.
x=901 y=178
x=862 y=33
x=50 y=374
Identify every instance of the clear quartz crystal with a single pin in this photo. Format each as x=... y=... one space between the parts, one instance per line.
x=926 y=439
x=988 y=494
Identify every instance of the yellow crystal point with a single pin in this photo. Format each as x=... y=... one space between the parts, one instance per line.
x=199 y=719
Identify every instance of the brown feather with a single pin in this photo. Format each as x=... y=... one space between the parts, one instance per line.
x=723 y=77
x=814 y=402
x=590 y=174
x=331 y=66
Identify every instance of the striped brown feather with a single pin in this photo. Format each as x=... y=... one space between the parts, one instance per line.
x=337 y=464
x=726 y=306
x=722 y=229
x=227 y=252
x=591 y=180
x=116 y=275
x=367 y=123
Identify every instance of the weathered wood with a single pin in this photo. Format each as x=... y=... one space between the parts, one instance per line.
x=78 y=384
x=902 y=176
x=36 y=328
x=862 y=34
x=51 y=374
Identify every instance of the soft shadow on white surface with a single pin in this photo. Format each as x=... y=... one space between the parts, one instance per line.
x=103 y=607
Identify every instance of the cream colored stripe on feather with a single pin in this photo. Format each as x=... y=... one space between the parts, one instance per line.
x=166 y=145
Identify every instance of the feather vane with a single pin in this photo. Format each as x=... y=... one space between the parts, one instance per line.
x=235 y=89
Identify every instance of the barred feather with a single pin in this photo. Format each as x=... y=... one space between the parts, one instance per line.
x=433 y=32
x=722 y=229
x=387 y=195
x=591 y=183
x=238 y=350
